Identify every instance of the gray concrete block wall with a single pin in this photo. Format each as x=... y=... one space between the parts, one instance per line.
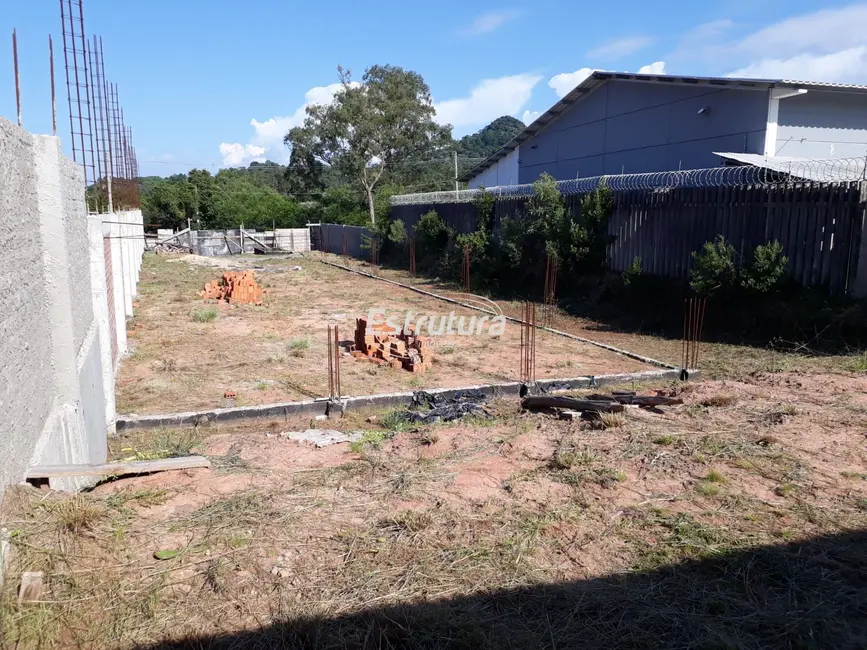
x=26 y=378
x=75 y=230
x=56 y=372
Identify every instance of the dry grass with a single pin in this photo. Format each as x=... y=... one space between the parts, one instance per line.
x=746 y=541
x=279 y=351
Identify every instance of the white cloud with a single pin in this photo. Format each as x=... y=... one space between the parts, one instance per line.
x=530 y=116
x=657 y=67
x=267 y=139
x=563 y=83
x=847 y=65
x=489 y=99
x=235 y=154
x=620 y=48
x=822 y=32
x=489 y=22
x=824 y=45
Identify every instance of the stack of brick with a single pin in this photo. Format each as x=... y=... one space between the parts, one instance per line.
x=378 y=344
x=240 y=288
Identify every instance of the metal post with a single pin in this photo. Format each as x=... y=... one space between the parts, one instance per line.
x=17 y=78
x=108 y=184
x=53 y=93
x=456 y=176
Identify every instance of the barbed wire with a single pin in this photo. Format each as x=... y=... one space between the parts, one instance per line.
x=768 y=171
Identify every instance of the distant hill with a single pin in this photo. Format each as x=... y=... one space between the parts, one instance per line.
x=490 y=139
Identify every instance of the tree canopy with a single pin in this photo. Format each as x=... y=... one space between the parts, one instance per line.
x=376 y=139
x=385 y=120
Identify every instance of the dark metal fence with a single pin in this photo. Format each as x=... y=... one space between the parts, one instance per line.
x=818 y=224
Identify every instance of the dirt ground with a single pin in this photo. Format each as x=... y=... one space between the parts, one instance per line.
x=732 y=521
x=186 y=354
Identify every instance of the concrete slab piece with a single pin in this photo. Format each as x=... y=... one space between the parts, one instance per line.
x=323 y=437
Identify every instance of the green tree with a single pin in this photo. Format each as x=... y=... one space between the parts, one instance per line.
x=369 y=127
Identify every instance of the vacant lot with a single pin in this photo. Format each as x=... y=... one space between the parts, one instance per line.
x=734 y=521
x=187 y=353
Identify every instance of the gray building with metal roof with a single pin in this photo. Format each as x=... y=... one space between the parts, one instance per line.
x=615 y=123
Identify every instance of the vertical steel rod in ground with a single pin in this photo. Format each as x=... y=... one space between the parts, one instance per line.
x=17 y=78
x=330 y=366
x=684 y=341
x=412 y=257
x=336 y=362
x=53 y=93
x=345 y=249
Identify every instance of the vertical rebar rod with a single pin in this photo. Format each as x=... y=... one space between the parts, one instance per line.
x=87 y=93
x=92 y=85
x=53 y=91
x=683 y=341
x=106 y=111
x=330 y=367
x=337 y=361
x=68 y=81
x=17 y=76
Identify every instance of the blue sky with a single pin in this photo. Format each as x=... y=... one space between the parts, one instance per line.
x=210 y=84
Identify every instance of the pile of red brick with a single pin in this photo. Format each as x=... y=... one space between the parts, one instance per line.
x=239 y=288
x=378 y=344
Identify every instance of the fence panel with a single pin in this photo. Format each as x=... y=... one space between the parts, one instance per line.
x=818 y=225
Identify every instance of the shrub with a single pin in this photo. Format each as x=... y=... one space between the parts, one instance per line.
x=484 y=206
x=717 y=269
x=632 y=273
x=714 y=267
x=767 y=269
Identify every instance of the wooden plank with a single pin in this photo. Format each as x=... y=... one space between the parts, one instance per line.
x=842 y=238
x=819 y=235
x=132 y=467
x=832 y=219
x=803 y=219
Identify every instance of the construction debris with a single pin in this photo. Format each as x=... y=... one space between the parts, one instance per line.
x=171 y=249
x=323 y=437
x=31 y=586
x=631 y=399
x=378 y=344
x=234 y=288
x=447 y=408
x=117 y=469
x=571 y=403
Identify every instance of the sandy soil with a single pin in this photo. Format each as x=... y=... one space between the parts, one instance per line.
x=278 y=352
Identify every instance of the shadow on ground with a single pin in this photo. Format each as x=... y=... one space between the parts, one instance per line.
x=803 y=595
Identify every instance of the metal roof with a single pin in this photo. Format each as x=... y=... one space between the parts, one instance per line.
x=598 y=78
x=838 y=170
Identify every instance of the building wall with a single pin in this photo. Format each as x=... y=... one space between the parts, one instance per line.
x=503 y=172
x=635 y=127
x=822 y=125
x=56 y=373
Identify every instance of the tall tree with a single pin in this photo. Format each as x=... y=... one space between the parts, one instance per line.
x=385 y=120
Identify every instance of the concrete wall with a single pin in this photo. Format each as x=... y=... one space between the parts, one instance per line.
x=822 y=125
x=57 y=388
x=503 y=172
x=634 y=127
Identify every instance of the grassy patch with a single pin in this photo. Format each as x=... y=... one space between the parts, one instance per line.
x=298 y=347
x=715 y=476
x=204 y=316
x=664 y=440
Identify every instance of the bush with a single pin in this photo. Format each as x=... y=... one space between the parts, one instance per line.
x=484 y=206
x=717 y=269
x=632 y=273
x=767 y=269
